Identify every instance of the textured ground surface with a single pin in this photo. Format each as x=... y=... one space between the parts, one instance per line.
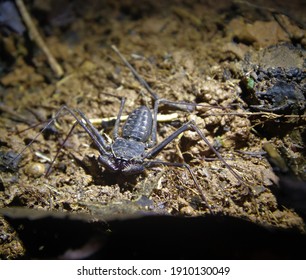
x=195 y=52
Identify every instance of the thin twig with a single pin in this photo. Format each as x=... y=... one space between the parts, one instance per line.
x=35 y=36
x=160 y=118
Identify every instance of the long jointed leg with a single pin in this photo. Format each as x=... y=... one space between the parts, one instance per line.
x=60 y=148
x=83 y=122
x=48 y=123
x=189 y=126
x=153 y=163
x=179 y=105
x=188 y=107
x=136 y=75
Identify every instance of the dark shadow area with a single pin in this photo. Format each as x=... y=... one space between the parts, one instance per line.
x=48 y=235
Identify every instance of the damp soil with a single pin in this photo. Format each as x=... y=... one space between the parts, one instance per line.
x=191 y=51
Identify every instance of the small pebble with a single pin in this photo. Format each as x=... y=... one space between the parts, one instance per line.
x=187 y=211
x=35 y=169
